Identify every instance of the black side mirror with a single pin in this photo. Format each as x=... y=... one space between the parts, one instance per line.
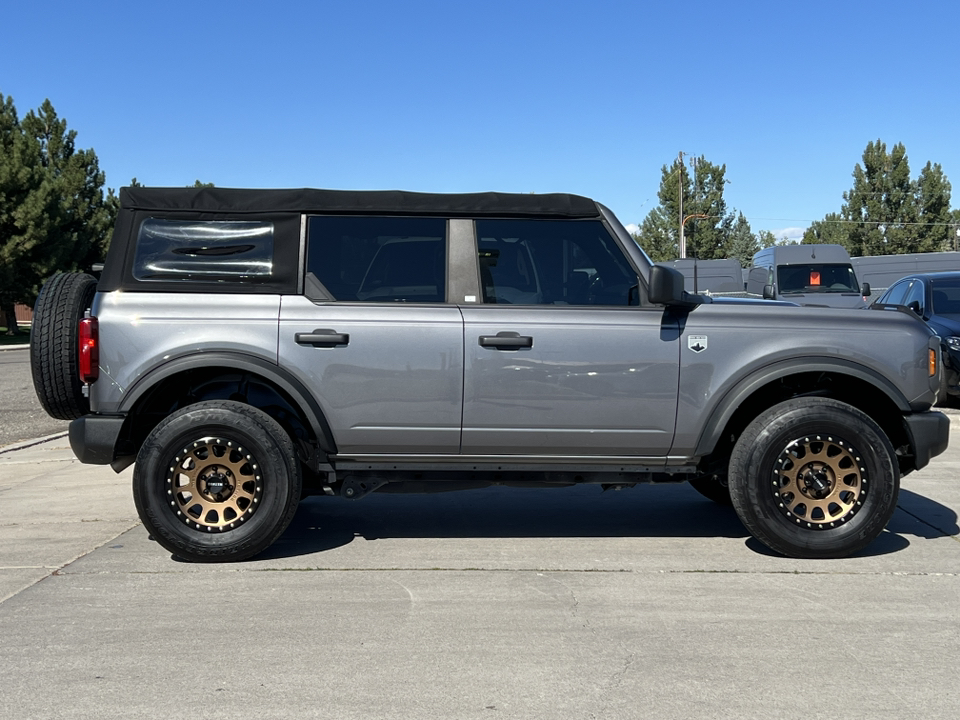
x=666 y=288
x=915 y=306
x=768 y=293
x=865 y=289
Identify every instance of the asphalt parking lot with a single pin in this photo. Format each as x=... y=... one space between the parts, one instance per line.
x=574 y=603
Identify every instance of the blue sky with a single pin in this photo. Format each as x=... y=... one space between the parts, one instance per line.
x=591 y=98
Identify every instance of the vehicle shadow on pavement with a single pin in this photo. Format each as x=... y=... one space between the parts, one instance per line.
x=915 y=515
x=925 y=518
x=325 y=523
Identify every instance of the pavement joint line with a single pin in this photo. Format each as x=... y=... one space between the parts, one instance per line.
x=28 y=567
x=58 y=570
x=32 y=443
x=950 y=535
x=568 y=571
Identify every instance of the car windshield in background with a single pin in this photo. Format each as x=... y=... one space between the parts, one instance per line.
x=817 y=278
x=946 y=297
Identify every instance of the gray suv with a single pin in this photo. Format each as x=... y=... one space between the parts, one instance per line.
x=246 y=348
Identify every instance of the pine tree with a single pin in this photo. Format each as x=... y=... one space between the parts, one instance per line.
x=708 y=229
x=54 y=215
x=885 y=212
x=743 y=243
x=934 y=233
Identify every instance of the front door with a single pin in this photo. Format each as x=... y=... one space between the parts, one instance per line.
x=558 y=362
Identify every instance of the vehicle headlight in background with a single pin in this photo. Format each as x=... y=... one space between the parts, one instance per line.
x=953 y=342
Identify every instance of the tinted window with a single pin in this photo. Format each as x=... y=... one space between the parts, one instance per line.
x=946 y=297
x=817 y=278
x=204 y=250
x=896 y=294
x=552 y=262
x=375 y=259
x=915 y=294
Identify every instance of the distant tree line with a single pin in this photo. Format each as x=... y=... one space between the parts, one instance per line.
x=886 y=212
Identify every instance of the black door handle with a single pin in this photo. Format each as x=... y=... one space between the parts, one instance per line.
x=322 y=338
x=506 y=341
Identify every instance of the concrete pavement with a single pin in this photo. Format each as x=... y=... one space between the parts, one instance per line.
x=572 y=603
x=22 y=415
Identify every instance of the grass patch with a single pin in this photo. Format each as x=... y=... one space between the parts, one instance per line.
x=21 y=338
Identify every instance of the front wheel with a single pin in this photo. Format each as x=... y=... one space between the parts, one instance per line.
x=814 y=478
x=218 y=480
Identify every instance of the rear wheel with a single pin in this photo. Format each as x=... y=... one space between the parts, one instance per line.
x=814 y=478
x=54 y=345
x=217 y=481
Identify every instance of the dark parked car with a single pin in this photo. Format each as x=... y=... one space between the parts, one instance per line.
x=935 y=297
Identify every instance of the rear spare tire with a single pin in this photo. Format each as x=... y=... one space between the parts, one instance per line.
x=53 y=344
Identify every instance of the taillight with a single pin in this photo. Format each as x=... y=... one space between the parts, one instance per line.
x=88 y=362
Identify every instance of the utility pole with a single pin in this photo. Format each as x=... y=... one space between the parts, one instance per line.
x=682 y=245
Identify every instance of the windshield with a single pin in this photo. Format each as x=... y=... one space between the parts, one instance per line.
x=946 y=297
x=817 y=278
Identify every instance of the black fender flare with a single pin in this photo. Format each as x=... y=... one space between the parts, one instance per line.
x=246 y=363
x=722 y=412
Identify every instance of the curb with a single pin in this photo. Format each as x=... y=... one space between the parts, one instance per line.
x=14 y=347
x=23 y=445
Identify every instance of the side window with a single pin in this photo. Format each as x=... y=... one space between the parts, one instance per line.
x=552 y=262
x=378 y=259
x=915 y=294
x=204 y=251
x=896 y=294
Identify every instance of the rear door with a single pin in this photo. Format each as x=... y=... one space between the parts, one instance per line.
x=560 y=358
x=373 y=337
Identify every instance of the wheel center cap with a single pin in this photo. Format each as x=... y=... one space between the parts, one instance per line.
x=816 y=482
x=215 y=485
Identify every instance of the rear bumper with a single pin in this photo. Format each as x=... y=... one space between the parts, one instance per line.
x=93 y=438
x=929 y=435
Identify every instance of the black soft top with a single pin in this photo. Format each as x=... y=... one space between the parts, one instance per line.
x=356 y=202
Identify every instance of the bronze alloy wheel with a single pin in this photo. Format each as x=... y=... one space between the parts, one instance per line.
x=819 y=481
x=214 y=485
x=814 y=477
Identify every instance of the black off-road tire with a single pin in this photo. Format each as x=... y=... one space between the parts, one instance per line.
x=217 y=481
x=814 y=478
x=53 y=344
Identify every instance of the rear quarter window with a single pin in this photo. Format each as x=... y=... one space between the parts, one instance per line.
x=204 y=251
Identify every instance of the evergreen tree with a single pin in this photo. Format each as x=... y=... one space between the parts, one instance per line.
x=54 y=215
x=880 y=207
x=766 y=239
x=708 y=236
x=829 y=231
x=934 y=233
x=885 y=212
x=743 y=243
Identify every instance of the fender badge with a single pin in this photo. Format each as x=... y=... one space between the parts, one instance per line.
x=697 y=343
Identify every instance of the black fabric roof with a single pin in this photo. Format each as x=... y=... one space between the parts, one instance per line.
x=357 y=202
